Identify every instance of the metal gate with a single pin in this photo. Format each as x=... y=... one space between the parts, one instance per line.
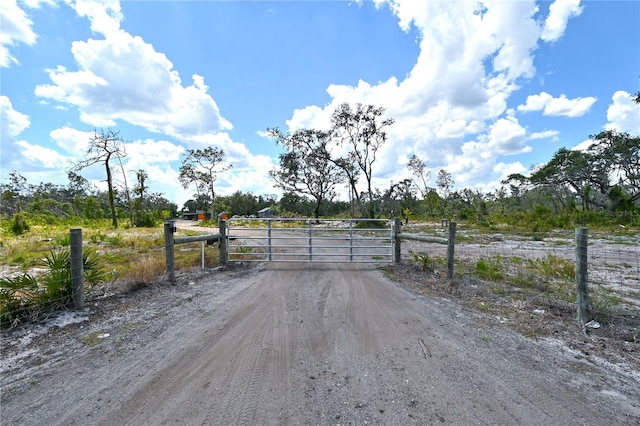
x=310 y=240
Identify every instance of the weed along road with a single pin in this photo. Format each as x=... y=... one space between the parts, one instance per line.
x=312 y=344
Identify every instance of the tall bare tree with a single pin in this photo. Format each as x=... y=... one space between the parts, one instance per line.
x=363 y=130
x=419 y=170
x=104 y=147
x=422 y=176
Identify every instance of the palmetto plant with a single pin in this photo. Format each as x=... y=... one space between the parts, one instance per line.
x=16 y=297
x=26 y=295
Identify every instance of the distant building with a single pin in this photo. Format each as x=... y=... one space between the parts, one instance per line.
x=266 y=212
x=199 y=215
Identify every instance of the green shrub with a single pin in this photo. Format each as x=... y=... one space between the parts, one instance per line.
x=25 y=295
x=57 y=280
x=19 y=224
x=65 y=240
x=554 y=266
x=422 y=260
x=371 y=224
x=16 y=298
x=489 y=269
x=145 y=220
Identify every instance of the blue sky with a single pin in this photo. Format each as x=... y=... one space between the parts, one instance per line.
x=480 y=88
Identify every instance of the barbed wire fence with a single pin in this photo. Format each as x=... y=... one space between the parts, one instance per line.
x=69 y=277
x=546 y=267
x=538 y=266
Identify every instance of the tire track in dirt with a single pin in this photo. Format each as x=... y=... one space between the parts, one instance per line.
x=344 y=344
x=337 y=344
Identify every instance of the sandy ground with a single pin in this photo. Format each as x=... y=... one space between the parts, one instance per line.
x=299 y=344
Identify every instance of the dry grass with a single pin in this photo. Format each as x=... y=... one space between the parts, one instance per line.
x=147 y=268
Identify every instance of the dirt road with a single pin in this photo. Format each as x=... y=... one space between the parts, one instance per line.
x=304 y=344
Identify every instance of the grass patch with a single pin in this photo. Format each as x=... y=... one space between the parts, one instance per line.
x=490 y=268
x=147 y=267
x=131 y=255
x=553 y=266
x=94 y=338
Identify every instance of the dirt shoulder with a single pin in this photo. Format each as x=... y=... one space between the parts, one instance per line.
x=306 y=344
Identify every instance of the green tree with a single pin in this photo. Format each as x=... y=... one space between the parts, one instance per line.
x=399 y=199
x=296 y=204
x=618 y=154
x=201 y=167
x=12 y=193
x=242 y=203
x=92 y=209
x=363 y=131
x=604 y=176
x=305 y=167
x=444 y=183
x=140 y=213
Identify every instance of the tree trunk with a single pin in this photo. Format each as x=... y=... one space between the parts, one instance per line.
x=112 y=204
x=352 y=182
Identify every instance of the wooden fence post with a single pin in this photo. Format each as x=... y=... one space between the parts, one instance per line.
x=77 y=268
x=222 y=228
x=397 y=249
x=169 y=229
x=450 y=249
x=581 y=276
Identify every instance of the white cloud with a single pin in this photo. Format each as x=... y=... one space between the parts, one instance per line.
x=560 y=12
x=562 y=105
x=12 y=124
x=452 y=129
x=583 y=146
x=42 y=157
x=16 y=28
x=150 y=151
x=121 y=77
x=105 y=15
x=252 y=172
x=471 y=60
x=505 y=169
x=546 y=134
x=72 y=141
x=623 y=114
x=501 y=171
x=153 y=156
x=156 y=157
x=507 y=137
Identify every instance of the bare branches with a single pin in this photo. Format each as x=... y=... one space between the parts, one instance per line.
x=364 y=131
x=103 y=147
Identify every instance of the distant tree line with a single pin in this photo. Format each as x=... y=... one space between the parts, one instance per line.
x=597 y=184
x=79 y=200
